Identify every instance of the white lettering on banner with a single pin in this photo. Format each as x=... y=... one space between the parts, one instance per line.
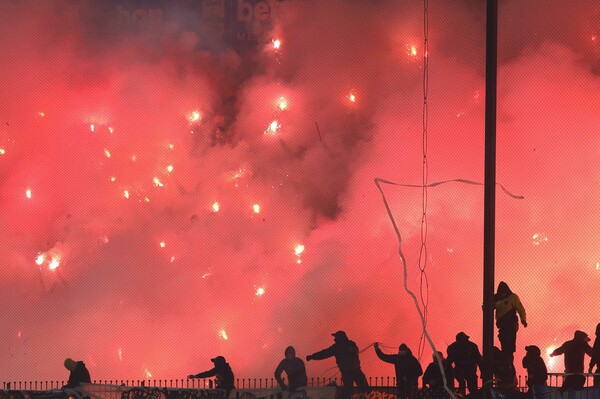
x=261 y=11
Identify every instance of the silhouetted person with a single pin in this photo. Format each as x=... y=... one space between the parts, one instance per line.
x=574 y=351
x=433 y=382
x=79 y=373
x=504 y=370
x=595 y=360
x=408 y=370
x=294 y=369
x=537 y=374
x=222 y=373
x=346 y=357
x=465 y=356
x=507 y=306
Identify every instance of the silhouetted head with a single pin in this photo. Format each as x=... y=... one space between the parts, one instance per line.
x=340 y=336
x=70 y=364
x=440 y=355
x=218 y=360
x=462 y=337
x=403 y=350
x=598 y=330
x=290 y=352
x=581 y=336
x=533 y=350
x=503 y=289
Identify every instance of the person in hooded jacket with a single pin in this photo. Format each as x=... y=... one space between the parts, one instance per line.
x=294 y=369
x=408 y=370
x=465 y=356
x=574 y=351
x=595 y=358
x=507 y=305
x=79 y=373
x=222 y=373
x=346 y=357
x=537 y=374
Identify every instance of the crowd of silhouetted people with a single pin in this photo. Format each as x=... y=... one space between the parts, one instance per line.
x=456 y=373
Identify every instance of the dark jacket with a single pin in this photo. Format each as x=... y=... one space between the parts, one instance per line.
x=78 y=375
x=465 y=355
x=537 y=374
x=574 y=351
x=433 y=376
x=296 y=373
x=595 y=360
x=408 y=368
x=346 y=355
x=225 y=379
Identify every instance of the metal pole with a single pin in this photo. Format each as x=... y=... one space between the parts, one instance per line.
x=489 y=217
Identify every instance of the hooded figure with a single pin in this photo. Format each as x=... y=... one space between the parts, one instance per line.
x=465 y=356
x=223 y=373
x=574 y=351
x=79 y=373
x=407 y=368
x=507 y=306
x=294 y=369
x=346 y=357
x=433 y=376
x=537 y=374
x=595 y=360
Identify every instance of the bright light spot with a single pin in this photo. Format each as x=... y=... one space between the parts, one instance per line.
x=172 y=258
x=215 y=207
x=111 y=130
x=92 y=128
x=260 y=291
x=104 y=239
x=170 y=168
x=146 y=199
x=28 y=193
x=194 y=116
x=41 y=114
x=223 y=334
x=112 y=178
x=299 y=249
x=256 y=208
x=120 y=354
x=411 y=50
x=282 y=103
x=107 y=153
x=597 y=265
x=147 y=373
x=207 y=274
x=539 y=239
x=273 y=128
x=133 y=158
x=126 y=194
x=450 y=250
x=54 y=263
x=39 y=260
x=162 y=244
x=276 y=43
x=550 y=360
x=157 y=182
x=171 y=146
x=2 y=151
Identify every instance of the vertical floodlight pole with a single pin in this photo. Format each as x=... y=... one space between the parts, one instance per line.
x=489 y=217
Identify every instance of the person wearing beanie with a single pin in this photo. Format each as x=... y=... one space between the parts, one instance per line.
x=408 y=369
x=79 y=373
x=465 y=356
x=222 y=373
x=537 y=374
x=294 y=369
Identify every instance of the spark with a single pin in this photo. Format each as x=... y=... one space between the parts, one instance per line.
x=215 y=207
x=120 y=354
x=126 y=194
x=276 y=43
x=352 y=97
x=256 y=208
x=171 y=146
x=112 y=178
x=54 y=263
x=41 y=114
x=92 y=128
x=260 y=291
x=194 y=116
x=162 y=244
x=411 y=50
x=147 y=373
x=207 y=274
x=169 y=168
x=107 y=153
x=104 y=239
x=539 y=239
x=146 y=199
x=299 y=249
x=551 y=360
x=2 y=151
x=273 y=128
x=28 y=193
x=597 y=265
x=39 y=260
x=172 y=258
x=223 y=334
x=157 y=182
x=282 y=103
x=111 y=130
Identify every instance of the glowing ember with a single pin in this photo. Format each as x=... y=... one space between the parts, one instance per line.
x=147 y=373
x=111 y=130
x=39 y=260
x=120 y=354
x=41 y=114
x=223 y=334
x=276 y=43
x=170 y=168
x=282 y=103
x=299 y=249
x=171 y=146
x=126 y=193
x=411 y=50
x=215 y=207
x=28 y=193
x=162 y=244
x=597 y=265
x=107 y=153
x=54 y=263
x=256 y=208
x=172 y=258
x=352 y=97
x=157 y=182
x=2 y=151
x=260 y=291
x=539 y=239
x=92 y=128
x=273 y=128
x=113 y=178
x=194 y=116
